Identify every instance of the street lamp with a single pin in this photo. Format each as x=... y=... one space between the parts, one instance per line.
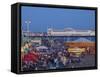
x=27 y=24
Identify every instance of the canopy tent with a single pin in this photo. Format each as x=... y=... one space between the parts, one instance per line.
x=42 y=48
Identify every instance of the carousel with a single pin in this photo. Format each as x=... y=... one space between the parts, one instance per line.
x=80 y=46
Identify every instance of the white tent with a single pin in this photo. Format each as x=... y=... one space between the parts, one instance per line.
x=41 y=48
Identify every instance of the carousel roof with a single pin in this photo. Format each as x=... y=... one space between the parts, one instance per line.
x=82 y=40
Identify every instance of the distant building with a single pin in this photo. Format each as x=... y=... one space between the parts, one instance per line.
x=64 y=32
x=36 y=41
x=70 y=32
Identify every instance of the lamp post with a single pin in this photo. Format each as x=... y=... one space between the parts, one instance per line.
x=27 y=24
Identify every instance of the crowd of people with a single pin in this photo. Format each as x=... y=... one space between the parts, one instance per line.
x=55 y=57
